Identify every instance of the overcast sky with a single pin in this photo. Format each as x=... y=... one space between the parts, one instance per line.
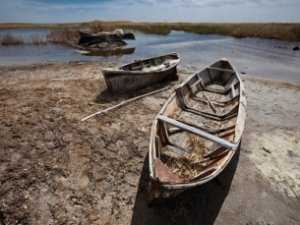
x=150 y=10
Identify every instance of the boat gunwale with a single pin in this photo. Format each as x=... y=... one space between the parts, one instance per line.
x=121 y=72
x=231 y=153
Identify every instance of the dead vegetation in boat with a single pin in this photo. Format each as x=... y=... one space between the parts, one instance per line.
x=198 y=130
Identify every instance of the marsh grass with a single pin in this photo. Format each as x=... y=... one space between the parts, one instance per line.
x=38 y=40
x=8 y=39
x=280 y=31
x=64 y=36
x=65 y=33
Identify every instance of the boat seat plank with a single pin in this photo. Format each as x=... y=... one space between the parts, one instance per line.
x=196 y=131
x=217 y=103
x=175 y=130
x=205 y=115
x=221 y=116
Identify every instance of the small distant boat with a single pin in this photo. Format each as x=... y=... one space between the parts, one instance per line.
x=142 y=73
x=105 y=52
x=128 y=36
x=198 y=130
x=115 y=37
x=92 y=39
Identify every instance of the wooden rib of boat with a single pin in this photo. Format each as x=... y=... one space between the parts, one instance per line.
x=198 y=130
x=142 y=73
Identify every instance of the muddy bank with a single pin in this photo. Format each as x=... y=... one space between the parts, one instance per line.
x=55 y=169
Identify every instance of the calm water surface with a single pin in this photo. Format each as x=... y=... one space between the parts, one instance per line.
x=260 y=57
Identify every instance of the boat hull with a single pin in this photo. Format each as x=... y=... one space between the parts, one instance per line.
x=120 y=81
x=106 y=52
x=217 y=136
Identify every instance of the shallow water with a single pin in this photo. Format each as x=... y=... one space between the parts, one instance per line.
x=260 y=57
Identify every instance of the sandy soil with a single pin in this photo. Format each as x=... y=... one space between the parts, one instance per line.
x=55 y=169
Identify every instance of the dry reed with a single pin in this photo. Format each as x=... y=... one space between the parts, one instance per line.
x=8 y=39
x=281 y=31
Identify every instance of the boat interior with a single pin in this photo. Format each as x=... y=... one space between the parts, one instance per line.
x=154 y=64
x=196 y=129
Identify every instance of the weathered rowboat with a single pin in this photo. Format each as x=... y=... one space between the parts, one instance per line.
x=87 y=39
x=198 y=130
x=142 y=73
x=108 y=51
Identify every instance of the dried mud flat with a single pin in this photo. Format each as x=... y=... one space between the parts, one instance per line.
x=55 y=169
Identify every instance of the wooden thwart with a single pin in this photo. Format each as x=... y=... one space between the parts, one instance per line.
x=196 y=131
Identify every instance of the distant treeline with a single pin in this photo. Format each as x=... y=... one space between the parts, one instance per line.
x=280 y=31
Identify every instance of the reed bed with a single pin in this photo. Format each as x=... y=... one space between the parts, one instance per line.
x=38 y=40
x=280 y=31
x=287 y=32
x=10 y=39
x=65 y=36
x=69 y=31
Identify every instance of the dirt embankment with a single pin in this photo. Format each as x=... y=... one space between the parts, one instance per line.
x=55 y=169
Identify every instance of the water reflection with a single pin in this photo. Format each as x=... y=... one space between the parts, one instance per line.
x=261 y=57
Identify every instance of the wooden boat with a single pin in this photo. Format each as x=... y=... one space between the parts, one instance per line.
x=198 y=130
x=116 y=37
x=87 y=39
x=106 y=52
x=128 y=36
x=142 y=73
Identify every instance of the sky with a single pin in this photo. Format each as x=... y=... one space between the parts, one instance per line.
x=44 y=11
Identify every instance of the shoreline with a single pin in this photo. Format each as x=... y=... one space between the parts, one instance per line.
x=61 y=170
